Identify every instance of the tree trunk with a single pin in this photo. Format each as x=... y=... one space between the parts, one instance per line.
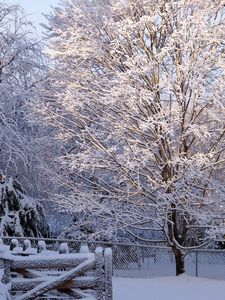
x=179 y=259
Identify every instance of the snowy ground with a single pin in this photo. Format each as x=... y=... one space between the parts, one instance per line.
x=166 y=288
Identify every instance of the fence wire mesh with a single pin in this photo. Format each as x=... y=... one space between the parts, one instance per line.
x=141 y=261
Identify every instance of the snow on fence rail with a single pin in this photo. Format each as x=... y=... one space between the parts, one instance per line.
x=30 y=273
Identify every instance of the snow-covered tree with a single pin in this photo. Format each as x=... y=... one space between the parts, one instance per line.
x=139 y=112
x=20 y=215
x=22 y=66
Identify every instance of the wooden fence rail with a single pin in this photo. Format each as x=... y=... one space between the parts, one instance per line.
x=36 y=272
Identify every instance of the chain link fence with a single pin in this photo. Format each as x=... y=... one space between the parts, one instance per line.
x=141 y=261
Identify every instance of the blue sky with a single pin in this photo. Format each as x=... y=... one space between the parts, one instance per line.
x=34 y=8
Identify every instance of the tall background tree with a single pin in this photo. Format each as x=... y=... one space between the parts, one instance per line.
x=22 y=66
x=136 y=97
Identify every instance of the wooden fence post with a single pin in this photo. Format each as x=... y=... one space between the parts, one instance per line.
x=84 y=249
x=41 y=246
x=7 y=275
x=26 y=245
x=13 y=244
x=5 y=265
x=99 y=273
x=108 y=273
x=63 y=248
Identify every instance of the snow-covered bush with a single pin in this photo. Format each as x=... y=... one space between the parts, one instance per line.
x=20 y=215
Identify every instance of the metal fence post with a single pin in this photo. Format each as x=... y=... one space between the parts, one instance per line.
x=196 y=263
